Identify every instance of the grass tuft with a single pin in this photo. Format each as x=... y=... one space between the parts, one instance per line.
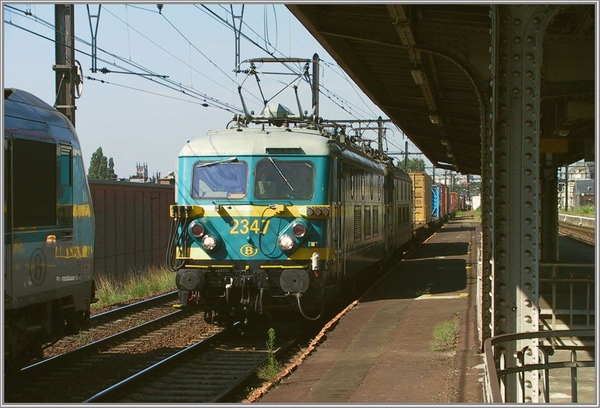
x=269 y=370
x=445 y=336
x=134 y=285
x=583 y=210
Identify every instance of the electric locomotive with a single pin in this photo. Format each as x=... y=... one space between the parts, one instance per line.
x=281 y=212
x=48 y=229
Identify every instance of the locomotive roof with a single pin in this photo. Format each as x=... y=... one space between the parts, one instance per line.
x=271 y=140
x=255 y=141
x=24 y=112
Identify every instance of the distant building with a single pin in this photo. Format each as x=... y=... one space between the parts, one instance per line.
x=169 y=179
x=141 y=175
x=580 y=183
x=476 y=202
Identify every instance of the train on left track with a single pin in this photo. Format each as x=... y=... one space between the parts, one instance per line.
x=48 y=229
x=285 y=212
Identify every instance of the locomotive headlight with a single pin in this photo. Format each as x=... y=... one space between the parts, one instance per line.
x=209 y=242
x=299 y=230
x=286 y=242
x=326 y=211
x=196 y=229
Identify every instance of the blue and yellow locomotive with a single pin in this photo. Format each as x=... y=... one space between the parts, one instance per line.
x=282 y=212
x=48 y=259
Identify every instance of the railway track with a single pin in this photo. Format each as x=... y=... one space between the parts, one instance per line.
x=111 y=322
x=76 y=375
x=212 y=370
x=173 y=358
x=580 y=233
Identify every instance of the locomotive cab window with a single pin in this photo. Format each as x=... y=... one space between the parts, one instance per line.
x=276 y=179
x=220 y=180
x=34 y=192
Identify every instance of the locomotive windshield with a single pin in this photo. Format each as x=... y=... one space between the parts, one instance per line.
x=217 y=180
x=284 y=179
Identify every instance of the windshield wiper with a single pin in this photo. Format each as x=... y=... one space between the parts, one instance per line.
x=281 y=174
x=230 y=160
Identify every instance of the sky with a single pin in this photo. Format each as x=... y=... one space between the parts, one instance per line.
x=147 y=119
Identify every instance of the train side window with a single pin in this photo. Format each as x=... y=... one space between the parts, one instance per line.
x=34 y=183
x=362 y=186
x=403 y=184
x=65 y=187
x=375 y=221
x=367 y=222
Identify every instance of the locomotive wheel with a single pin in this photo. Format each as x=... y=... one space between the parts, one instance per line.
x=13 y=363
x=73 y=321
x=224 y=319
x=209 y=317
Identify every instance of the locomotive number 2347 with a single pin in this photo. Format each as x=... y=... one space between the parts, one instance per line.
x=244 y=226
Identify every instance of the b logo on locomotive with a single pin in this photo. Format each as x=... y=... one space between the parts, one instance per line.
x=248 y=250
x=37 y=267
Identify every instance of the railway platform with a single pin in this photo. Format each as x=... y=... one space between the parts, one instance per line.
x=381 y=350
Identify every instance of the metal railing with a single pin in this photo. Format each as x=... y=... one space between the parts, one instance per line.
x=499 y=371
x=567 y=296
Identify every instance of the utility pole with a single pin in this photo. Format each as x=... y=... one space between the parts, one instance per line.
x=567 y=188
x=315 y=90
x=64 y=18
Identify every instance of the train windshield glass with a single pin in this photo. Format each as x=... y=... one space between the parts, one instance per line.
x=215 y=180
x=277 y=179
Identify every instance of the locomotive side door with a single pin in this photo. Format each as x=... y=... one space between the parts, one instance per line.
x=33 y=217
x=339 y=219
x=7 y=218
x=388 y=218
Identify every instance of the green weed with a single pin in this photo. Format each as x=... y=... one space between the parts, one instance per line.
x=269 y=370
x=583 y=210
x=445 y=335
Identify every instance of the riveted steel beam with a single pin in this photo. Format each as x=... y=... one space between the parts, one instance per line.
x=517 y=44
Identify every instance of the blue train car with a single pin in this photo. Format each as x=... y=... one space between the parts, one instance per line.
x=436 y=202
x=48 y=228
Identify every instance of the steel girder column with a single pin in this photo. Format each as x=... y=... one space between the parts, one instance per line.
x=487 y=215
x=549 y=223
x=517 y=42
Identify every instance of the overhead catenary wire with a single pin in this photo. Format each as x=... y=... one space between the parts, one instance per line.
x=346 y=105
x=170 y=84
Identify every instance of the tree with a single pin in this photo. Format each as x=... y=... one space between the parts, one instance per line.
x=413 y=165
x=111 y=169
x=101 y=168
